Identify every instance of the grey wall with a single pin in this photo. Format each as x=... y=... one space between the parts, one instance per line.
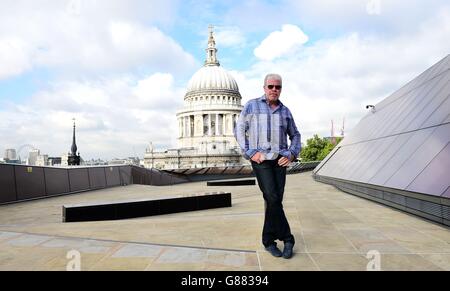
x=97 y=178
x=19 y=182
x=56 y=181
x=112 y=176
x=125 y=175
x=7 y=184
x=30 y=182
x=79 y=179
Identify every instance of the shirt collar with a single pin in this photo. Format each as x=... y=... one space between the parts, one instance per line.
x=263 y=99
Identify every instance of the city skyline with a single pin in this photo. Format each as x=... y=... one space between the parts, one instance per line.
x=121 y=68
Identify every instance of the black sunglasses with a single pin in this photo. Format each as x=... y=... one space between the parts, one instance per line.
x=270 y=87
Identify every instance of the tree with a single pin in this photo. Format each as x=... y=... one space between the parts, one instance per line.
x=317 y=148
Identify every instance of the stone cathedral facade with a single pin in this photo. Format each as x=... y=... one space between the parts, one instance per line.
x=212 y=105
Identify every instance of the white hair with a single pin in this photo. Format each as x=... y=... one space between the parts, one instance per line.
x=272 y=77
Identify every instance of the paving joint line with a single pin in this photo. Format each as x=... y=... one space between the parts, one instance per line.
x=133 y=242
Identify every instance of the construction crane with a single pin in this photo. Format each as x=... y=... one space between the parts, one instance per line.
x=343 y=126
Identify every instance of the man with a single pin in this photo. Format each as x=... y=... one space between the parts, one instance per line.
x=261 y=132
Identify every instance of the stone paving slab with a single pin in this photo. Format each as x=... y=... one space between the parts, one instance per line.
x=334 y=231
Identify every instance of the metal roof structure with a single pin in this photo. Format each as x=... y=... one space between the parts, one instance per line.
x=399 y=153
x=219 y=173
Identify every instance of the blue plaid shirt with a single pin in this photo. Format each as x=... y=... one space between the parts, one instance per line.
x=263 y=129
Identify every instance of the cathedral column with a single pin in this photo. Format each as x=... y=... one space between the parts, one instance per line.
x=225 y=125
x=180 y=126
x=229 y=124
x=217 y=124
x=188 y=126
x=200 y=132
x=192 y=125
x=221 y=131
x=183 y=128
x=209 y=124
x=198 y=125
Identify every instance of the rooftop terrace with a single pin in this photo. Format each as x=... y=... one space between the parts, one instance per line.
x=334 y=231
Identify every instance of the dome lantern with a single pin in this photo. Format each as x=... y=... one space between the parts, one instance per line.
x=211 y=50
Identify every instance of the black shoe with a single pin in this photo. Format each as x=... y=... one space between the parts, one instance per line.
x=274 y=251
x=287 y=251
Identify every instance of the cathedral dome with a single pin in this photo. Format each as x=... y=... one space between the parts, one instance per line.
x=212 y=78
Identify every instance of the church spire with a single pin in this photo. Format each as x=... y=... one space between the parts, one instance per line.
x=74 y=144
x=211 y=51
x=73 y=159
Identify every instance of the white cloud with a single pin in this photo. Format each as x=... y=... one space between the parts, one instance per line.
x=95 y=37
x=336 y=77
x=230 y=36
x=115 y=117
x=364 y=16
x=104 y=55
x=157 y=91
x=280 y=43
x=14 y=57
x=330 y=18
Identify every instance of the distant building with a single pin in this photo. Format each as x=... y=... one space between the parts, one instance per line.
x=65 y=160
x=33 y=156
x=42 y=160
x=206 y=123
x=95 y=162
x=54 y=161
x=11 y=157
x=10 y=154
x=127 y=161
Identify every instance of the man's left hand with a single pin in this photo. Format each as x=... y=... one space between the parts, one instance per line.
x=284 y=162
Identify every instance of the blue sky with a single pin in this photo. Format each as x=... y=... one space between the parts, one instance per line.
x=121 y=67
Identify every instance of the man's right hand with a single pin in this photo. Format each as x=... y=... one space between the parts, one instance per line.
x=258 y=158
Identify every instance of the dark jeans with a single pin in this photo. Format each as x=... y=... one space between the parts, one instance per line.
x=271 y=180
